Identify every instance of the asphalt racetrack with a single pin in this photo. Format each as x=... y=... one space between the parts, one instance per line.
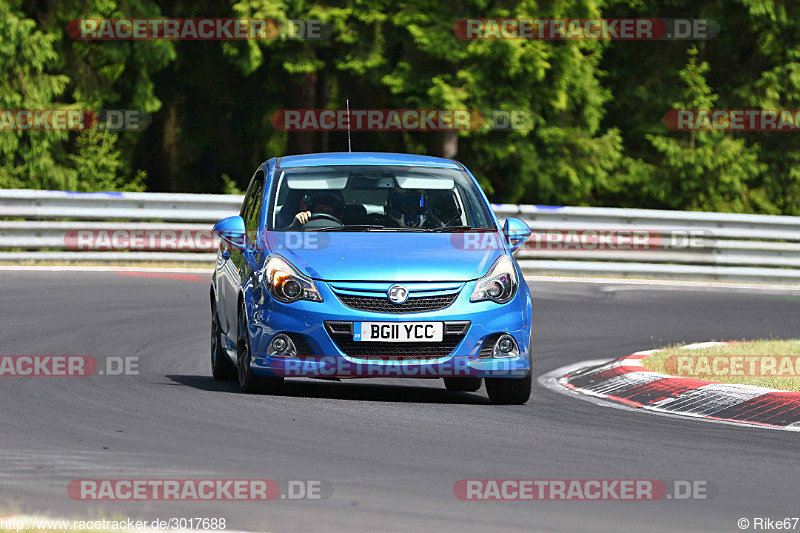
x=392 y=449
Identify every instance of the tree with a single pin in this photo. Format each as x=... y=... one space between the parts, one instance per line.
x=35 y=159
x=44 y=68
x=706 y=170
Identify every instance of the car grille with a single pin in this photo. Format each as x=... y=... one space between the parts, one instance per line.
x=342 y=335
x=381 y=304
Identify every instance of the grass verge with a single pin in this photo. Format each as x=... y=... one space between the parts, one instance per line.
x=765 y=363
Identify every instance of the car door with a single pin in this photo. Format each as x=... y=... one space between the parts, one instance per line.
x=252 y=257
x=231 y=270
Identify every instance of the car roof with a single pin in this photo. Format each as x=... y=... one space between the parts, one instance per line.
x=365 y=158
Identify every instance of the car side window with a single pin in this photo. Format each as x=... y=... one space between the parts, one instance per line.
x=252 y=197
x=247 y=204
x=254 y=216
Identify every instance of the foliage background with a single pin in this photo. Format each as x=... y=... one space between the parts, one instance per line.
x=599 y=137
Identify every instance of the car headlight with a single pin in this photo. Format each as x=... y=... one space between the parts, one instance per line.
x=286 y=284
x=499 y=284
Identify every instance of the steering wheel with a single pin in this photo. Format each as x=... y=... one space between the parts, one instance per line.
x=322 y=217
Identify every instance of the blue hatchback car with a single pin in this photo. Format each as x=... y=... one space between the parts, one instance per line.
x=345 y=265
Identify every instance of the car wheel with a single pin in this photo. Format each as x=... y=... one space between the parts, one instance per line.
x=507 y=391
x=249 y=382
x=221 y=365
x=465 y=384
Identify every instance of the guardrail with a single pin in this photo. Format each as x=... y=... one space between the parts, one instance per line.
x=566 y=240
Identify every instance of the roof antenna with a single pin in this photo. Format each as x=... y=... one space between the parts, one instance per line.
x=349 y=148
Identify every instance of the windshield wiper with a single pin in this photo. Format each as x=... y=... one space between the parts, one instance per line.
x=368 y=227
x=449 y=229
x=350 y=227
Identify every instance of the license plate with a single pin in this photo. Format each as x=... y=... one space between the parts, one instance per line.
x=398 y=331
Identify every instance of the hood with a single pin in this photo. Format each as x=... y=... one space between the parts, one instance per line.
x=389 y=256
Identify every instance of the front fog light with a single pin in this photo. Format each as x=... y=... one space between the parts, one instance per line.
x=282 y=346
x=279 y=345
x=505 y=346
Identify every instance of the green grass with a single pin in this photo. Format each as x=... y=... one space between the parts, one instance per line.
x=765 y=363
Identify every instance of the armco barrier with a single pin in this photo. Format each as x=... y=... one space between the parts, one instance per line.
x=733 y=247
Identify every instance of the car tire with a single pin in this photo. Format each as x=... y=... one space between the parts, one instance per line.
x=509 y=391
x=463 y=384
x=222 y=367
x=249 y=382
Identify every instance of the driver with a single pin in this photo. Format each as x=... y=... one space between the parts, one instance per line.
x=326 y=202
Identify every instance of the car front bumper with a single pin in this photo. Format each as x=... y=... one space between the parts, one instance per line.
x=322 y=356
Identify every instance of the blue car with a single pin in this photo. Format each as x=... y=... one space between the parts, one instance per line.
x=348 y=265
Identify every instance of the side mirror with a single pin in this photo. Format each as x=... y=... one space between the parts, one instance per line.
x=516 y=232
x=231 y=230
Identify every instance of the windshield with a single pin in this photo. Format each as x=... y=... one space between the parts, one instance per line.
x=383 y=198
